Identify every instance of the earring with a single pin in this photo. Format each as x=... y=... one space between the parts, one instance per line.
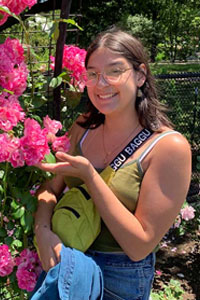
x=139 y=93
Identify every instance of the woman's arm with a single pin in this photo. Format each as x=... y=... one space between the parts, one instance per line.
x=49 y=245
x=163 y=191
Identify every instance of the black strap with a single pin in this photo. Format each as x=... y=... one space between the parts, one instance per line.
x=120 y=159
x=84 y=192
x=132 y=146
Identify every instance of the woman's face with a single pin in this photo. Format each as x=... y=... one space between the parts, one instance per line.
x=113 y=97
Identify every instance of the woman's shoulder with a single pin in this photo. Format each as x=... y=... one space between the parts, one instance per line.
x=173 y=137
x=172 y=144
x=76 y=132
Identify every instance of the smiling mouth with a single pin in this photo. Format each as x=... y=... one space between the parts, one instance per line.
x=107 y=96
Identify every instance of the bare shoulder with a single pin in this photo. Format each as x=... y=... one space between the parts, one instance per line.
x=75 y=132
x=175 y=143
x=174 y=147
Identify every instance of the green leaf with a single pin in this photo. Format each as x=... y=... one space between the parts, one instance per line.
x=17 y=244
x=23 y=221
x=2 y=174
x=14 y=204
x=54 y=32
x=8 y=91
x=198 y=158
x=5 y=9
x=3 y=232
x=27 y=221
x=18 y=233
x=50 y=158
x=55 y=82
x=2 y=39
x=1 y=189
x=34 y=54
x=62 y=74
x=72 y=22
x=19 y=213
x=26 y=198
x=37 y=118
x=32 y=205
x=10 y=225
x=8 y=240
x=198 y=166
x=38 y=102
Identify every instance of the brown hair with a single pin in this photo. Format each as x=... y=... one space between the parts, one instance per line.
x=150 y=111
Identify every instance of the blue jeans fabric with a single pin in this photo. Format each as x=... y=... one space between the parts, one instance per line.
x=76 y=277
x=125 y=279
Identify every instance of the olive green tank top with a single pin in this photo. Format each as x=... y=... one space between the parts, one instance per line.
x=125 y=184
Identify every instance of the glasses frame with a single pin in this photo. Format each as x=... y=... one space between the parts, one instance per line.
x=104 y=77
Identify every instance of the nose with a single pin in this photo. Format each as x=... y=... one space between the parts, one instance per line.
x=101 y=81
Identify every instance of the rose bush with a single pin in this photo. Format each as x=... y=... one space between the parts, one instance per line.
x=26 y=138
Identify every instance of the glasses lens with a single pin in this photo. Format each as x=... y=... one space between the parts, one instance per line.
x=113 y=75
x=89 y=78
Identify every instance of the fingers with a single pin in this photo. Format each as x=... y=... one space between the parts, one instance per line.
x=58 y=167
x=62 y=156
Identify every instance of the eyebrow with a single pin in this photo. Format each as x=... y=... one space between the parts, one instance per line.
x=109 y=65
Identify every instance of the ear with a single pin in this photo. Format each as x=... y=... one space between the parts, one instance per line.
x=141 y=75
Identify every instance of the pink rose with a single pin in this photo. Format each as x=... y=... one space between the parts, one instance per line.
x=15 y=6
x=61 y=143
x=51 y=125
x=6 y=261
x=34 y=143
x=29 y=268
x=74 y=62
x=187 y=213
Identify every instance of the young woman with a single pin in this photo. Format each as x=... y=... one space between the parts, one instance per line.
x=146 y=193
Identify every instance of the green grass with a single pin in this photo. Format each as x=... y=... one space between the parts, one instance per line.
x=167 y=68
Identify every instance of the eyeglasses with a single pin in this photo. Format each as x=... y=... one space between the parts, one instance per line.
x=111 y=76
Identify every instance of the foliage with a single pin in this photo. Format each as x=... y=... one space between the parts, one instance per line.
x=139 y=26
x=173 y=291
x=173 y=25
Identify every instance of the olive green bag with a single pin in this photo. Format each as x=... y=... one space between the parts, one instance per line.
x=75 y=218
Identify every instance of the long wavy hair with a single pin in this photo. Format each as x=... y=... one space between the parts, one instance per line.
x=150 y=111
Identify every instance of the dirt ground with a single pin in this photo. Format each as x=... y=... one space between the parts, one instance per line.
x=180 y=261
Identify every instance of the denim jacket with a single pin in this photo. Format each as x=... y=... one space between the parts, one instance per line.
x=76 y=277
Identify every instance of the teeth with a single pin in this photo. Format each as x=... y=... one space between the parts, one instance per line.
x=106 y=96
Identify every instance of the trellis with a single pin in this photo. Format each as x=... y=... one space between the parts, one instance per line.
x=53 y=106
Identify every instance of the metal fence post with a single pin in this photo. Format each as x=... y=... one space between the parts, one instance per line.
x=65 y=9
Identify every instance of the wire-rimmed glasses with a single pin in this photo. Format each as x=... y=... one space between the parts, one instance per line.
x=111 y=76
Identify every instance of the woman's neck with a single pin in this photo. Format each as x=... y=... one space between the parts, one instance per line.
x=122 y=123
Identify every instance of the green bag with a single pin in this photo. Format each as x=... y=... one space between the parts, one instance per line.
x=75 y=219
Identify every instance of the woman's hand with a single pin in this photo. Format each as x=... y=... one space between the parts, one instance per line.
x=49 y=246
x=75 y=166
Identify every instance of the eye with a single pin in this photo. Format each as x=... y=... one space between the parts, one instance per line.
x=114 y=72
x=91 y=75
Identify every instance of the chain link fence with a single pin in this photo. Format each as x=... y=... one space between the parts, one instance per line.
x=181 y=93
